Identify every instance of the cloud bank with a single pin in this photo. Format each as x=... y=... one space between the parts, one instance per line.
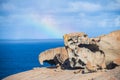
x=38 y=19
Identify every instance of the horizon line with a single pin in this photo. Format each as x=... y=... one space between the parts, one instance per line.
x=34 y=39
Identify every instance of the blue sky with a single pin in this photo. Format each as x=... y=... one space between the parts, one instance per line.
x=47 y=19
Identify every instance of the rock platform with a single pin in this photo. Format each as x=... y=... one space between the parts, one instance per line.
x=57 y=74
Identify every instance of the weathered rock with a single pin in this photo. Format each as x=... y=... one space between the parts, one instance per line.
x=101 y=51
x=77 y=38
x=56 y=55
x=93 y=60
x=52 y=74
x=110 y=45
x=110 y=75
x=85 y=52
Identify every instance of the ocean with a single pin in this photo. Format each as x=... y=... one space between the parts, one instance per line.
x=22 y=55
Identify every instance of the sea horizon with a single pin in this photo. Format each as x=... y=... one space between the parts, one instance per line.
x=22 y=55
x=27 y=40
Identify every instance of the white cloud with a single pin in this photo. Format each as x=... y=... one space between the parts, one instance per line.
x=103 y=23
x=113 y=22
x=84 y=6
x=82 y=14
x=48 y=20
x=113 y=5
x=62 y=16
x=117 y=21
x=8 y=6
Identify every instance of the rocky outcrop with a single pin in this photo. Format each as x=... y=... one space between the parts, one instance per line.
x=110 y=45
x=84 y=52
x=52 y=74
x=110 y=75
x=81 y=51
x=93 y=53
x=55 y=56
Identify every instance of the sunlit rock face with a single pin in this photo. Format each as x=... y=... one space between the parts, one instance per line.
x=57 y=56
x=100 y=51
x=80 y=51
x=74 y=39
x=110 y=44
x=84 y=52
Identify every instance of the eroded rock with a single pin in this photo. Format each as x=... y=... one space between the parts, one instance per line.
x=110 y=44
x=56 y=56
x=84 y=52
x=81 y=51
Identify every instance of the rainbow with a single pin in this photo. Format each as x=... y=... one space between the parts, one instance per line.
x=48 y=28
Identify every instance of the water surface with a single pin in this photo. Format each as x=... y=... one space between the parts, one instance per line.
x=22 y=55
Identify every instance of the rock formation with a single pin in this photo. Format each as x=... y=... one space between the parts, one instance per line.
x=52 y=74
x=84 y=52
x=92 y=54
x=55 y=56
x=110 y=45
